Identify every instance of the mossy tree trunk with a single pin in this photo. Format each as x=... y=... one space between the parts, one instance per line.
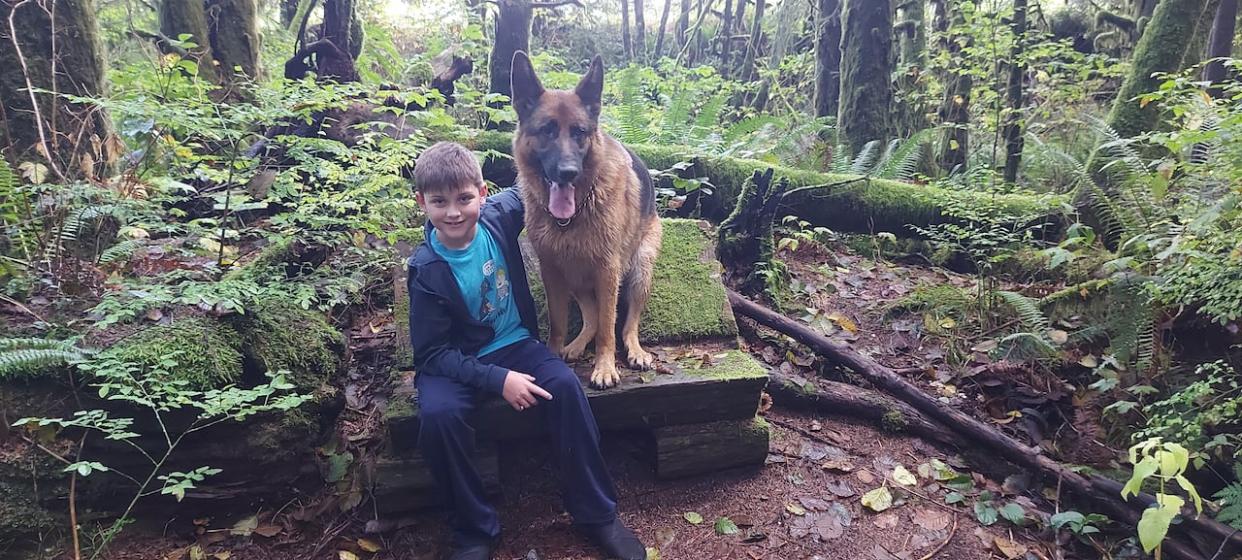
x=339 y=20
x=74 y=140
x=234 y=31
x=827 y=57
x=179 y=18
x=1220 y=44
x=744 y=240
x=640 y=32
x=1160 y=49
x=725 y=37
x=1196 y=48
x=954 y=110
x=1013 y=95
x=512 y=34
x=659 y=46
x=627 y=46
x=752 y=47
x=911 y=29
x=867 y=64
x=683 y=23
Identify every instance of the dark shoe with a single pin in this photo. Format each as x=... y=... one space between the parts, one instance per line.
x=475 y=551
x=615 y=540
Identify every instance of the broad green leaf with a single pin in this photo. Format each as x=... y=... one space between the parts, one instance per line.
x=1142 y=470
x=1154 y=525
x=1066 y=517
x=985 y=513
x=903 y=476
x=1013 y=513
x=878 y=500
x=693 y=517
x=1191 y=491
x=725 y=526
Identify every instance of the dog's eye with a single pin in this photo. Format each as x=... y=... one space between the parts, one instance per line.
x=550 y=129
x=578 y=132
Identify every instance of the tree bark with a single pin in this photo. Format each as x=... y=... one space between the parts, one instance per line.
x=744 y=239
x=189 y=17
x=683 y=23
x=626 y=45
x=752 y=47
x=512 y=35
x=954 y=110
x=1098 y=490
x=288 y=10
x=867 y=64
x=74 y=140
x=912 y=56
x=723 y=37
x=739 y=17
x=339 y=19
x=1196 y=47
x=659 y=46
x=1220 y=44
x=1160 y=49
x=640 y=32
x=1013 y=95
x=235 y=41
x=827 y=57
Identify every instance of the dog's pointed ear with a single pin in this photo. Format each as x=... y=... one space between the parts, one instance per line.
x=524 y=85
x=591 y=88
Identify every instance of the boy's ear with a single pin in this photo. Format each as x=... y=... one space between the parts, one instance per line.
x=420 y=199
x=591 y=88
x=524 y=85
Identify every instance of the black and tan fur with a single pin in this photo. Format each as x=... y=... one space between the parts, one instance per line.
x=606 y=249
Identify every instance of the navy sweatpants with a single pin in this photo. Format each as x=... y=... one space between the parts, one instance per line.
x=446 y=441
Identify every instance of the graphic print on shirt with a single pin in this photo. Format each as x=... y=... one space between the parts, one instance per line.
x=492 y=291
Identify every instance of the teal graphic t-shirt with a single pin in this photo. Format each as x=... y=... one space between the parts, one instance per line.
x=483 y=277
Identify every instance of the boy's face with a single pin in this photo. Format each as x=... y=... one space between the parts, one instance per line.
x=454 y=213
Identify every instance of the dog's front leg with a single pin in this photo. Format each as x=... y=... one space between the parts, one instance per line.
x=557 y=290
x=607 y=283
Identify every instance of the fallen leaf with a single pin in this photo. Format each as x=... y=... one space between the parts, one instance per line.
x=841 y=489
x=665 y=536
x=653 y=553
x=196 y=553
x=878 y=500
x=268 y=531
x=346 y=555
x=224 y=555
x=865 y=477
x=887 y=520
x=842 y=321
x=878 y=552
x=693 y=517
x=816 y=426
x=931 y=519
x=177 y=554
x=1058 y=336
x=725 y=526
x=369 y=545
x=1009 y=548
x=838 y=465
x=795 y=509
x=903 y=477
x=245 y=527
x=1089 y=361
x=814 y=504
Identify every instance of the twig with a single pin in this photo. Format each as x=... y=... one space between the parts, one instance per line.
x=933 y=553
x=862 y=179
x=21 y=307
x=1222 y=546
x=73 y=501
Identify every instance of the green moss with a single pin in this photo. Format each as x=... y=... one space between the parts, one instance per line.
x=1160 y=49
x=401 y=406
x=687 y=298
x=734 y=364
x=942 y=298
x=1030 y=264
x=22 y=517
x=894 y=421
x=278 y=334
x=282 y=437
x=867 y=65
x=208 y=353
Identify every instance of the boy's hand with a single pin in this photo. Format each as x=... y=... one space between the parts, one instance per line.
x=520 y=391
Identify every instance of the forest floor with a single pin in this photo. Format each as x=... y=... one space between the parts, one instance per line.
x=805 y=502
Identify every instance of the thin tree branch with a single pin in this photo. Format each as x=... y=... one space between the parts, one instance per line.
x=34 y=102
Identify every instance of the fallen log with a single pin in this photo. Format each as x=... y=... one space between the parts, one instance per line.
x=846 y=203
x=1201 y=530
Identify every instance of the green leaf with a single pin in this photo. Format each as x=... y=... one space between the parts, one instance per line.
x=1013 y=513
x=725 y=526
x=693 y=517
x=1154 y=525
x=1071 y=518
x=954 y=498
x=1191 y=491
x=985 y=513
x=1142 y=470
x=878 y=500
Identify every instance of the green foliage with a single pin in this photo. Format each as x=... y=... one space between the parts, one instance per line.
x=1202 y=415
x=1229 y=499
x=27 y=358
x=1166 y=463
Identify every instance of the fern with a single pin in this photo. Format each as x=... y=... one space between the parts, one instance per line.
x=901 y=159
x=706 y=122
x=121 y=251
x=1230 y=501
x=675 y=121
x=865 y=159
x=1029 y=314
x=840 y=159
x=633 y=127
x=25 y=358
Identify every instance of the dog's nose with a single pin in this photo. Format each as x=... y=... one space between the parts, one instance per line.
x=566 y=173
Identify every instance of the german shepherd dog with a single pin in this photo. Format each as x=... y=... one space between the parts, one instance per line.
x=590 y=215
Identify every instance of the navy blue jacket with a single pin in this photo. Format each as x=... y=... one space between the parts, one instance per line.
x=445 y=337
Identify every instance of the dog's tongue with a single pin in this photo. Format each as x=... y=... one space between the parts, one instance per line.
x=561 y=200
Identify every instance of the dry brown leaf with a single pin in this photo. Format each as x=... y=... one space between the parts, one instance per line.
x=369 y=545
x=931 y=519
x=865 y=477
x=268 y=531
x=1008 y=548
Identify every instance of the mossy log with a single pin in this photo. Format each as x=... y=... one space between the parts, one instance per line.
x=691 y=449
x=745 y=237
x=847 y=204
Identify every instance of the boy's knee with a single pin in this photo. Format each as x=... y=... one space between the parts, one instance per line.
x=562 y=383
x=441 y=414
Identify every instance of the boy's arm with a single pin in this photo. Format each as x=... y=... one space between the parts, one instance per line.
x=433 y=355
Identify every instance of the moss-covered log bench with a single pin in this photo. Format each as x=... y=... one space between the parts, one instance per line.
x=696 y=411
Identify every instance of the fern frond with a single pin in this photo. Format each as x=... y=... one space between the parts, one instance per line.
x=121 y=251
x=840 y=159
x=1031 y=317
x=1024 y=346
x=675 y=121
x=865 y=160
x=1230 y=501
x=29 y=357
x=633 y=111
x=7 y=344
x=708 y=118
x=901 y=159
x=8 y=180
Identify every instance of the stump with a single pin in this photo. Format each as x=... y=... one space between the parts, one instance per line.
x=691 y=449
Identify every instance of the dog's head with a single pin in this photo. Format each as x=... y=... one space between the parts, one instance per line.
x=556 y=129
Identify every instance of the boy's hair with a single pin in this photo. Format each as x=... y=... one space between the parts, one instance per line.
x=445 y=166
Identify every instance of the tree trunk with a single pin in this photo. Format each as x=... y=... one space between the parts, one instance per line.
x=659 y=46
x=189 y=17
x=954 y=110
x=339 y=20
x=827 y=57
x=752 y=48
x=867 y=62
x=74 y=140
x=744 y=239
x=739 y=17
x=912 y=56
x=626 y=45
x=640 y=32
x=724 y=37
x=683 y=23
x=911 y=32
x=233 y=25
x=1160 y=49
x=288 y=10
x=512 y=35
x=1220 y=44
x=1013 y=94
x=1196 y=47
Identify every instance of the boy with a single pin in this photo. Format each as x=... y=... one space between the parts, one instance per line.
x=472 y=327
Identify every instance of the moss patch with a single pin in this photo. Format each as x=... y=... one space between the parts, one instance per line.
x=278 y=334
x=687 y=299
x=729 y=364
x=208 y=352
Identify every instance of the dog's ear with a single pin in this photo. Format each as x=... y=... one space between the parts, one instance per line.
x=591 y=88
x=524 y=85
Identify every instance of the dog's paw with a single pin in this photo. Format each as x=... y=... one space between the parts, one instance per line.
x=639 y=358
x=605 y=375
x=574 y=351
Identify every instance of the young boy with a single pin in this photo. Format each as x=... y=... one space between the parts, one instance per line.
x=473 y=328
